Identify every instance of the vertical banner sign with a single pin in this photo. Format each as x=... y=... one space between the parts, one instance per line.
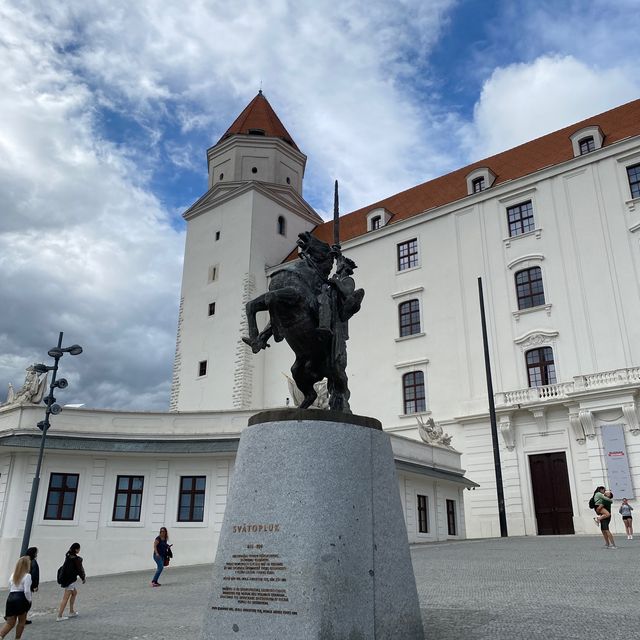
x=617 y=461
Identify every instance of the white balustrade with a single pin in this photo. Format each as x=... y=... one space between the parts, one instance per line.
x=551 y=392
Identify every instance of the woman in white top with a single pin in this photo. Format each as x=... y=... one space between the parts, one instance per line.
x=19 y=598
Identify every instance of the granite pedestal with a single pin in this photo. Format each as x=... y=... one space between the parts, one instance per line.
x=313 y=544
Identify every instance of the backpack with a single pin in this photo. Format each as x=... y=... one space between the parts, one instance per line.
x=60 y=575
x=592 y=503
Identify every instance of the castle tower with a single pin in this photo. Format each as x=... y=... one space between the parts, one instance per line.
x=248 y=220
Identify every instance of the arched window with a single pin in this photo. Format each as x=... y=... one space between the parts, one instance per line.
x=529 y=288
x=586 y=145
x=413 y=392
x=409 y=316
x=541 y=368
x=282 y=226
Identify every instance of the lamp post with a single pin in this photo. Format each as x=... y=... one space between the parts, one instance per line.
x=52 y=409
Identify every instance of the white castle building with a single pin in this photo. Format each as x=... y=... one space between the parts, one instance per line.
x=552 y=227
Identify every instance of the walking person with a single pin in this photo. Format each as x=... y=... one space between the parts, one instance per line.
x=161 y=554
x=599 y=499
x=625 y=511
x=71 y=570
x=19 y=598
x=32 y=552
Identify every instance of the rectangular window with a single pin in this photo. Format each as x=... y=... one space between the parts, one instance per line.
x=217 y=236
x=541 y=368
x=128 y=500
x=478 y=185
x=529 y=288
x=409 y=313
x=61 y=497
x=520 y=218
x=413 y=392
x=375 y=222
x=191 y=499
x=633 y=173
x=587 y=145
x=408 y=254
x=452 y=525
x=212 y=308
x=423 y=517
x=202 y=368
x=213 y=273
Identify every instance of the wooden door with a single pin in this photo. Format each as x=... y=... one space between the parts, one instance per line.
x=551 y=493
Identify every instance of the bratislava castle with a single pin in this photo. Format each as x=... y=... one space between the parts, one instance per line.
x=553 y=229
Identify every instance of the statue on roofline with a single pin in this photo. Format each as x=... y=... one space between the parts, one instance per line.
x=31 y=392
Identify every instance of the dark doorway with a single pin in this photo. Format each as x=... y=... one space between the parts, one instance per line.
x=551 y=493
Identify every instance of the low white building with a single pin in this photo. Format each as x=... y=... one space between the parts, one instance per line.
x=111 y=479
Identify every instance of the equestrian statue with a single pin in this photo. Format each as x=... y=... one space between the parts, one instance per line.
x=310 y=308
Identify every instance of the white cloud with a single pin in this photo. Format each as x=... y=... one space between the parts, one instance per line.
x=524 y=101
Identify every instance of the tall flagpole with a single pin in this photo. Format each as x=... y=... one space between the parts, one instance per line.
x=492 y=417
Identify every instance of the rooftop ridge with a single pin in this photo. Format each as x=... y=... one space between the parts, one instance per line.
x=545 y=151
x=259 y=116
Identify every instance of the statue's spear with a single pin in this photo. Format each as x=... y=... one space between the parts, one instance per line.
x=336 y=220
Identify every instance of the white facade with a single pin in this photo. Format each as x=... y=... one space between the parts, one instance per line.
x=101 y=446
x=584 y=239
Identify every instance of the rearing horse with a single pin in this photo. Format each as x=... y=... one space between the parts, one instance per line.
x=292 y=303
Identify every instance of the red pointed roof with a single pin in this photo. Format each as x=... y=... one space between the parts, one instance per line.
x=551 y=149
x=259 y=118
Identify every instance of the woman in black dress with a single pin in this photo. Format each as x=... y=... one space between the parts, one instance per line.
x=19 y=598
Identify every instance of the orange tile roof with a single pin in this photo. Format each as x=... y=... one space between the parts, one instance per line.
x=551 y=149
x=259 y=115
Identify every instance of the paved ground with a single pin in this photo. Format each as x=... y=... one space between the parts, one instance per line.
x=549 y=588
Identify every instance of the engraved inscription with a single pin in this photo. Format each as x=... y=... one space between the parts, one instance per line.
x=256 y=565
x=256 y=528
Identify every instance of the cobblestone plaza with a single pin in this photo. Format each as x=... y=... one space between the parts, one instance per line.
x=518 y=588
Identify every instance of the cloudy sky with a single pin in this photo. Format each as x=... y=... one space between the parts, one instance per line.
x=107 y=108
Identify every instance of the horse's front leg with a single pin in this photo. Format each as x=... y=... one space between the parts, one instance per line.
x=256 y=340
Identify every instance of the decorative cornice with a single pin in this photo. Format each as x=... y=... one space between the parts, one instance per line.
x=536 y=338
x=532 y=256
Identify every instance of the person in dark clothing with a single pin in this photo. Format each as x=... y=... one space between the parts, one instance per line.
x=72 y=570
x=161 y=551
x=32 y=552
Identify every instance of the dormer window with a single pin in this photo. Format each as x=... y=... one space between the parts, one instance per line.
x=586 y=140
x=480 y=179
x=257 y=132
x=377 y=218
x=586 y=145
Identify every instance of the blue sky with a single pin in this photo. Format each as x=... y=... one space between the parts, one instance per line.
x=108 y=109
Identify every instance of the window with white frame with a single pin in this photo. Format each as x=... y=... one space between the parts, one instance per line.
x=61 y=496
x=128 y=499
x=409 y=317
x=408 y=254
x=520 y=218
x=633 y=175
x=529 y=288
x=541 y=368
x=586 y=145
x=413 y=392
x=423 y=514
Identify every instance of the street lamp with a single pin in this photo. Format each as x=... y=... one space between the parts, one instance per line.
x=52 y=409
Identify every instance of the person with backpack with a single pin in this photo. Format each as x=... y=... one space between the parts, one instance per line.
x=600 y=500
x=19 y=598
x=68 y=575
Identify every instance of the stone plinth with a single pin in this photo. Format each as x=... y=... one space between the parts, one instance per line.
x=313 y=544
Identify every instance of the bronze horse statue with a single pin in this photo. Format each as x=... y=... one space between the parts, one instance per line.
x=310 y=311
